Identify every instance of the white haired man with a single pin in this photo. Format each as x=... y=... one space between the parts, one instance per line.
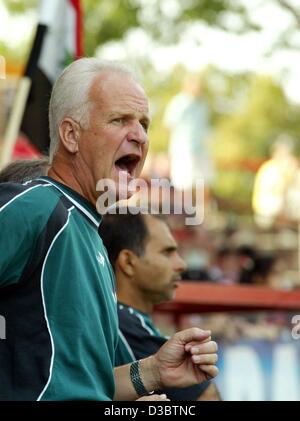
x=57 y=286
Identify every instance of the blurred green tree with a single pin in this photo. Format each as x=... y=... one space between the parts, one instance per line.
x=242 y=139
x=165 y=20
x=248 y=111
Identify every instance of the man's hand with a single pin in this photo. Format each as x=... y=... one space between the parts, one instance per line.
x=188 y=358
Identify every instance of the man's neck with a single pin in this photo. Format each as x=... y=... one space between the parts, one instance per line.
x=68 y=175
x=133 y=299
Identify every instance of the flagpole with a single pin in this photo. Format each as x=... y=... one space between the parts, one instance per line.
x=43 y=47
x=14 y=122
x=46 y=12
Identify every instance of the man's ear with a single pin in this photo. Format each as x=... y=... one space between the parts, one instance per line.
x=126 y=262
x=69 y=131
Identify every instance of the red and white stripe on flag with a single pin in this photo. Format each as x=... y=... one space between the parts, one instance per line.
x=63 y=40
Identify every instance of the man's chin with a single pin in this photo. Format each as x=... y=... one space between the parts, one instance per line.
x=113 y=191
x=124 y=194
x=169 y=296
x=125 y=186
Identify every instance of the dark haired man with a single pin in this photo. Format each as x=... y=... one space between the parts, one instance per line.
x=147 y=267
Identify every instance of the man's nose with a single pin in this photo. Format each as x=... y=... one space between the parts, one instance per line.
x=180 y=264
x=137 y=133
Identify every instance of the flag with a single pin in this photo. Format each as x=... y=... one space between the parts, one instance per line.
x=58 y=41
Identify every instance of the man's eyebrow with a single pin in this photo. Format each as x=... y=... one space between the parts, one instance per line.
x=112 y=114
x=170 y=248
x=125 y=114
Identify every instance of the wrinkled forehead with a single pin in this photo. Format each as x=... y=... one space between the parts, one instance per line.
x=114 y=86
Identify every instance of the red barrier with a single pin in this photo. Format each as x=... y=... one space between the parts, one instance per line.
x=199 y=297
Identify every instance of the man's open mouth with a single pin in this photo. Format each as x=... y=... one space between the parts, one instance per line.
x=128 y=163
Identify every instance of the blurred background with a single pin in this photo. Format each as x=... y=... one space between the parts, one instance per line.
x=223 y=81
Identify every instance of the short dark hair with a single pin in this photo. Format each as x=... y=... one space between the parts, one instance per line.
x=24 y=170
x=119 y=232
